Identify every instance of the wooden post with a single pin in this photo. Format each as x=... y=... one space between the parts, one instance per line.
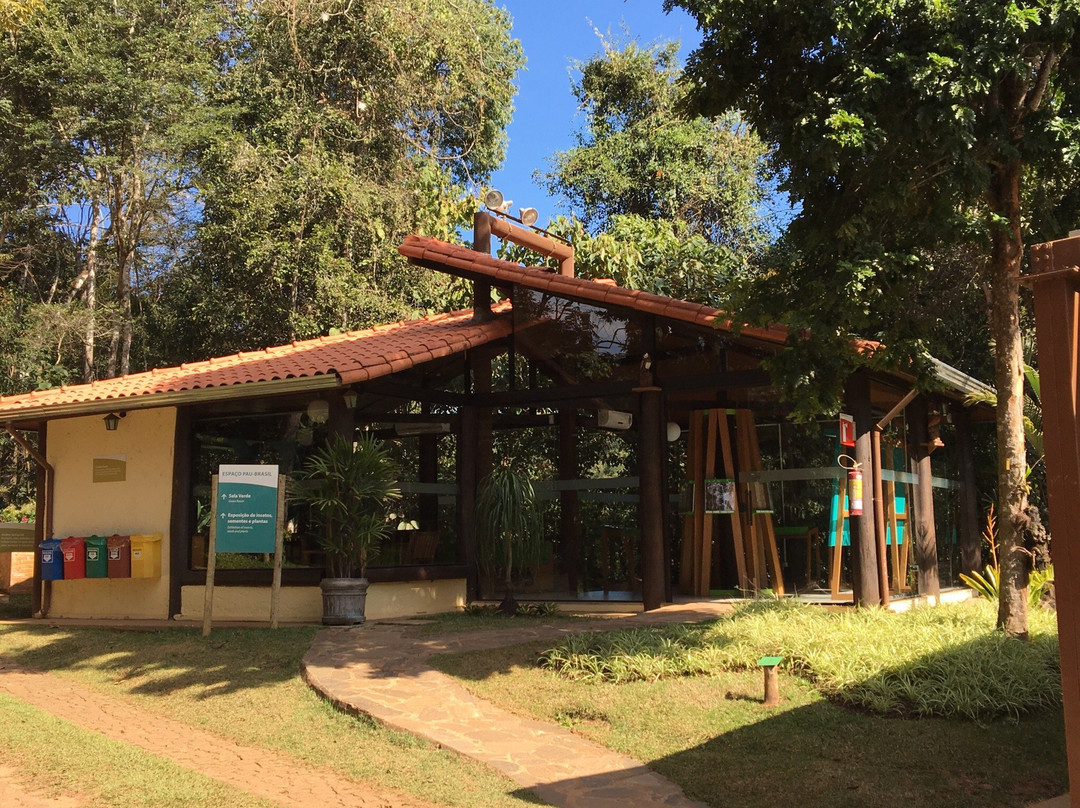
x=650 y=496
x=482 y=289
x=879 y=518
x=708 y=523
x=925 y=533
x=428 y=472
x=699 y=500
x=1056 y=281
x=693 y=452
x=772 y=680
x=42 y=590
x=211 y=561
x=569 y=502
x=736 y=518
x=180 y=526
x=864 y=563
x=466 y=498
x=279 y=551
x=970 y=537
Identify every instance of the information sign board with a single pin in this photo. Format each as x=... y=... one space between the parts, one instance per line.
x=246 y=509
x=17 y=537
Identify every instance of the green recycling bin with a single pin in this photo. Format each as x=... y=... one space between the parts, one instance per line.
x=97 y=562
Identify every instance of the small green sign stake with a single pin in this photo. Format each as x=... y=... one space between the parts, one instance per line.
x=772 y=680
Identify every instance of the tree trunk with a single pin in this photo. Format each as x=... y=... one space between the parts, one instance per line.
x=1004 y=272
x=90 y=294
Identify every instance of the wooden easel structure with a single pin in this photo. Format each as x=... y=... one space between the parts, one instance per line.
x=898 y=552
x=756 y=557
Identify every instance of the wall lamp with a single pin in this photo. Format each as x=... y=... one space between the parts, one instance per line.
x=350 y=398
x=112 y=420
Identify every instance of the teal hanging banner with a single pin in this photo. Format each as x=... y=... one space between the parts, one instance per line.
x=247 y=501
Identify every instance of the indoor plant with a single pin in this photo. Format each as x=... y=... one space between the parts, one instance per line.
x=349 y=486
x=507 y=518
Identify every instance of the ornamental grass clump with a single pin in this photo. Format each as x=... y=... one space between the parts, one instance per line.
x=943 y=661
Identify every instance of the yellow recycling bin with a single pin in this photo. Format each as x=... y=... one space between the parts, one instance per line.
x=146 y=555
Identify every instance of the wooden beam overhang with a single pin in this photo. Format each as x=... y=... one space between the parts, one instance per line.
x=408 y=392
x=721 y=380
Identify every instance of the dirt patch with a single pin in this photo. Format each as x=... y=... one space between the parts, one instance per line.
x=261 y=772
x=13 y=794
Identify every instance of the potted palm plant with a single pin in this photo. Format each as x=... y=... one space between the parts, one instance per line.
x=349 y=486
x=507 y=519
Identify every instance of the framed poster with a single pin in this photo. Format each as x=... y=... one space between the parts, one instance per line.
x=720 y=496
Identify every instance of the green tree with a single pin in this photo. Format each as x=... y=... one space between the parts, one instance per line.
x=636 y=156
x=351 y=125
x=903 y=127
x=105 y=103
x=14 y=13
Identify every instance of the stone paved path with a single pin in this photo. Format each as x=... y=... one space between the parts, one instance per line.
x=381 y=670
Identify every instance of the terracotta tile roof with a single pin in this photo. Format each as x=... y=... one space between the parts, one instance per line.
x=464 y=262
x=353 y=356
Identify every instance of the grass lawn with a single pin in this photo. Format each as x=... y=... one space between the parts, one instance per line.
x=242 y=684
x=710 y=734
x=59 y=758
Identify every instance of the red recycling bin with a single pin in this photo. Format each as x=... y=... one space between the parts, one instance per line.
x=118 y=552
x=73 y=550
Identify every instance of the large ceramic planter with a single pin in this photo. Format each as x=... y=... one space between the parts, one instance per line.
x=343 y=600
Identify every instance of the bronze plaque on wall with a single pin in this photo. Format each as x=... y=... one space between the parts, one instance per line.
x=110 y=469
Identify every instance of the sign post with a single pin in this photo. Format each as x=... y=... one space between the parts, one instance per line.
x=247 y=516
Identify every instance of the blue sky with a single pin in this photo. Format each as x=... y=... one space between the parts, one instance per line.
x=553 y=35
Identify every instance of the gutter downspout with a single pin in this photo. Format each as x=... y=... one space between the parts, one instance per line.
x=41 y=593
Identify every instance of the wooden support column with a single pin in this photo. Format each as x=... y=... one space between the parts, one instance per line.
x=924 y=532
x=428 y=472
x=482 y=289
x=970 y=535
x=180 y=527
x=864 y=561
x=42 y=527
x=481 y=380
x=466 y=499
x=569 y=502
x=651 y=488
x=1056 y=281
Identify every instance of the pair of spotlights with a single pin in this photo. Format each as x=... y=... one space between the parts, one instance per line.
x=493 y=201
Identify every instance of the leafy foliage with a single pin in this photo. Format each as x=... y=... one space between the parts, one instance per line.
x=349 y=487
x=660 y=202
x=941 y=661
x=187 y=180
x=903 y=128
x=508 y=517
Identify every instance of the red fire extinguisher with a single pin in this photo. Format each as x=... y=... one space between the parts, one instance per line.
x=854 y=477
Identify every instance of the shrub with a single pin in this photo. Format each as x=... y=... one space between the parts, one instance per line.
x=942 y=661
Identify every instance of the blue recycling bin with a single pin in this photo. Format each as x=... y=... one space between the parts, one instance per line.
x=52 y=560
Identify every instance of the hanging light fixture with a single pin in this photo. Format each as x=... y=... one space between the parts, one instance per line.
x=112 y=420
x=349 y=398
x=318 y=411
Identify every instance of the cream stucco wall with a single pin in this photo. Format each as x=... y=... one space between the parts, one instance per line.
x=142 y=503
x=304 y=603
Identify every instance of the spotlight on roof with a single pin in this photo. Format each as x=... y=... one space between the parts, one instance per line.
x=528 y=216
x=494 y=201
